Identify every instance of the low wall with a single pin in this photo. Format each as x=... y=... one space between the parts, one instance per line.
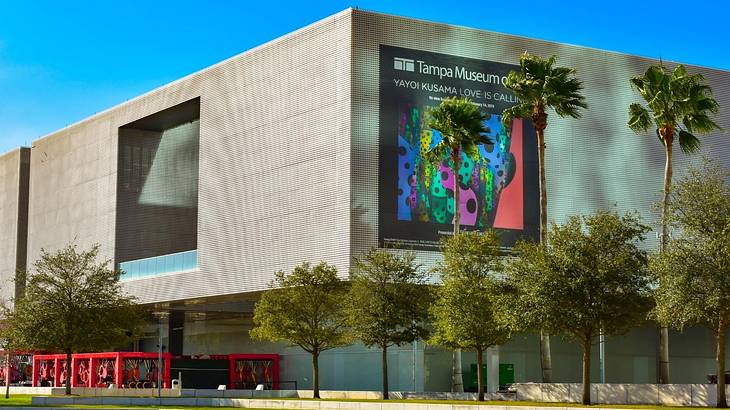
x=271 y=403
x=701 y=395
x=253 y=394
x=28 y=390
x=653 y=394
x=106 y=392
x=334 y=395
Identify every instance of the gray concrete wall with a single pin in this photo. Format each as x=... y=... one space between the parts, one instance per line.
x=696 y=395
x=14 y=169
x=591 y=163
x=73 y=188
x=273 y=167
x=349 y=368
x=629 y=359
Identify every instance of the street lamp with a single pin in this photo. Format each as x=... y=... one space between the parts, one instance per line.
x=161 y=316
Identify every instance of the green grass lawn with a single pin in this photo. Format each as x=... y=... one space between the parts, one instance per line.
x=501 y=403
x=16 y=400
x=25 y=400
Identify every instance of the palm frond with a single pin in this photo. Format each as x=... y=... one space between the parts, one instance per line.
x=699 y=123
x=520 y=110
x=460 y=123
x=637 y=83
x=672 y=99
x=688 y=142
x=639 y=118
x=679 y=72
x=540 y=82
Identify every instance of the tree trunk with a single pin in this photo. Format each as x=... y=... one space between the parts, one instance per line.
x=539 y=120
x=7 y=375
x=457 y=380
x=456 y=159
x=663 y=355
x=480 y=374
x=720 y=337
x=540 y=128
x=587 y=372
x=315 y=375
x=385 y=372
x=546 y=358
x=68 y=373
x=663 y=240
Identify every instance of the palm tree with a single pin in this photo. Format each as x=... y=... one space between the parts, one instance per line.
x=540 y=85
x=679 y=105
x=461 y=125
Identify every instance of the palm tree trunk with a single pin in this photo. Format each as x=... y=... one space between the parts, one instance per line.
x=385 y=372
x=456 y=159
x=543 y=183
x=457 y=381
x=545 y=355
x=720 y=337
x=315 y=375
x=586 y=372
x=663 y=240
x=480 y=374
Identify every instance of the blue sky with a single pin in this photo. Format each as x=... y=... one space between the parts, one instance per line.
x=61 y=61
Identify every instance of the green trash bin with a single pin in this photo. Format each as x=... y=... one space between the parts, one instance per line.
x=472 y=385
x=506 y=375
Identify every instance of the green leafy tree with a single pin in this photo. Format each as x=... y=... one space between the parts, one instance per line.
x=466 y=311
x=388 y=302
x=591 y=278
x=695 y=266
x=461 y=125
x=304 y=308
x=541 y=86
x=73 y=303
x=678 y=105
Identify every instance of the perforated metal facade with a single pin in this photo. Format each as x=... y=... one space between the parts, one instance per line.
x=289 y=150
x=273 y=168
x=595 y=162
x=14 y=167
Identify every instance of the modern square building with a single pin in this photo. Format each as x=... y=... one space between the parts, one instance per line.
x=308 y=148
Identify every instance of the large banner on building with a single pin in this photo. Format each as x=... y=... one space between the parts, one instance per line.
x=498 y=188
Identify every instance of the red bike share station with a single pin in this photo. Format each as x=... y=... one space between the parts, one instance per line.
x=124 y=369
x=139 y=370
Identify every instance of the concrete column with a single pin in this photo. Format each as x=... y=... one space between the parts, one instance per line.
x=420 y=365
x=492 y=369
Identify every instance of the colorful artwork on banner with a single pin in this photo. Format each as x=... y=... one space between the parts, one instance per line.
x=497 y=186
x=426 y=189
